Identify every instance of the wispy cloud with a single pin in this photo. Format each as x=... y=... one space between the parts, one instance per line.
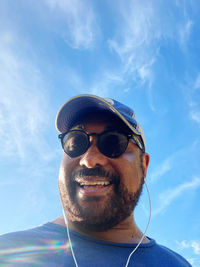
x=166 y=197
x=197 y=82
x=104 y=83
x=194 y=244
x=78 y=16
x=144 y=27
x=161 y=169
x=194 y=262
x=169 y=163
x=133 y=42
x=192 y=94
x=23 y=102
x=185 y=31
x=195 y=115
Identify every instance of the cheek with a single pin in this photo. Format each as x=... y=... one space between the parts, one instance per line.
x=66 y=167
x=130 y=170
x=64 y=181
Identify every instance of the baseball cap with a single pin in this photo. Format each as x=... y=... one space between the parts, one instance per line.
x=72 y=109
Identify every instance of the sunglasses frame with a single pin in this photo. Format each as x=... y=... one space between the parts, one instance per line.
x=129 y=136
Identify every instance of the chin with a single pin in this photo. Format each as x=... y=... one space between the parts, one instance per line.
x=99 y=214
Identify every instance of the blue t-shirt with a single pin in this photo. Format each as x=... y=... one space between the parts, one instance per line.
x=48 y=245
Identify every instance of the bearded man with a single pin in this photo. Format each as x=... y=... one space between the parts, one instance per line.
x=102 y=173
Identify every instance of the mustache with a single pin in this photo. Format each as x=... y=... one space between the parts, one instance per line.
x=98 y=171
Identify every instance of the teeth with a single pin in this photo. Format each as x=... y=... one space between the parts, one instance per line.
x=95 y=183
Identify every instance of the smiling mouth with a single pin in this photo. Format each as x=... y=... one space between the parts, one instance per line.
x=83 y=184
x=92 y=183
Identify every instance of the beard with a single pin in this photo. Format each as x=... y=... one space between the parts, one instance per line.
x=118 y=204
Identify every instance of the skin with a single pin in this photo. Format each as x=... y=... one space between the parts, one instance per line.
x=127 y=167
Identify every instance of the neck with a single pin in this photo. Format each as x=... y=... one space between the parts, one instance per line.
x=125 y=232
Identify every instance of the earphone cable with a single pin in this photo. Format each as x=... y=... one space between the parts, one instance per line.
x=70 y=243
x=143 y=236
x=148 y=193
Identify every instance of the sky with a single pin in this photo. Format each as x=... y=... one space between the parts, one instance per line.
x=142 y=53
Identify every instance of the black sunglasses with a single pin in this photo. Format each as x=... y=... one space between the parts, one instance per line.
x=110 y=143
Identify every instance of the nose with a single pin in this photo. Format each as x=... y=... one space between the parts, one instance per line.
x=93 y=157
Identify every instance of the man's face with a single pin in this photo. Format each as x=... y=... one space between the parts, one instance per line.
x=98 y=192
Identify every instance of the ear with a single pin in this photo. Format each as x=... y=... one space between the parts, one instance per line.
x=145 y=162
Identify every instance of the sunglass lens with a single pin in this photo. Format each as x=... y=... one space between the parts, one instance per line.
x=112 y=144
x=75 y=143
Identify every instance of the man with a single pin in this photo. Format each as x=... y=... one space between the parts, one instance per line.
x=101 y=177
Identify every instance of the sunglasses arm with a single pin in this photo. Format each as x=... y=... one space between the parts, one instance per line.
x=137 y=141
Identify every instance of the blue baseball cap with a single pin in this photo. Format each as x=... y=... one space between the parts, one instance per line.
x=77 y=105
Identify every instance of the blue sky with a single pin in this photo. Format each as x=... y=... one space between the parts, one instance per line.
x=142 y=53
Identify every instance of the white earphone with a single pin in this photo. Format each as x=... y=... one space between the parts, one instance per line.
x=143 y=236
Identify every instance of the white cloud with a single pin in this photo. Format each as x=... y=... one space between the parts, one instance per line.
x=166 y=197
x=185 y=31
x=192 y=96
x=143 y=27
x=126 y=90
x=81 y=26
x=168 y=163
x=194 y=244
x=100 y=89
x=105 y=82
x=23 y=103
x=136 y=43
x=161 y=169
x=194 y=262
x=197 y=82
x=133 y=41
x=195 y=115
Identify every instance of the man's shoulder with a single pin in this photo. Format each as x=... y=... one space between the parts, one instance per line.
x=49 y=241
x=24 y=231
x=30 y=235
x=169 y=257
x=44 y=243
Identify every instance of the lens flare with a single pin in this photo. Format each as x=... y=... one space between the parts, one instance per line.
x=29 y=253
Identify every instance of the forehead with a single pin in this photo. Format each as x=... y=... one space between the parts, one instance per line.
x=106 y=119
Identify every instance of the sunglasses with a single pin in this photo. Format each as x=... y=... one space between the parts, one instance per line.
x=111 y=144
